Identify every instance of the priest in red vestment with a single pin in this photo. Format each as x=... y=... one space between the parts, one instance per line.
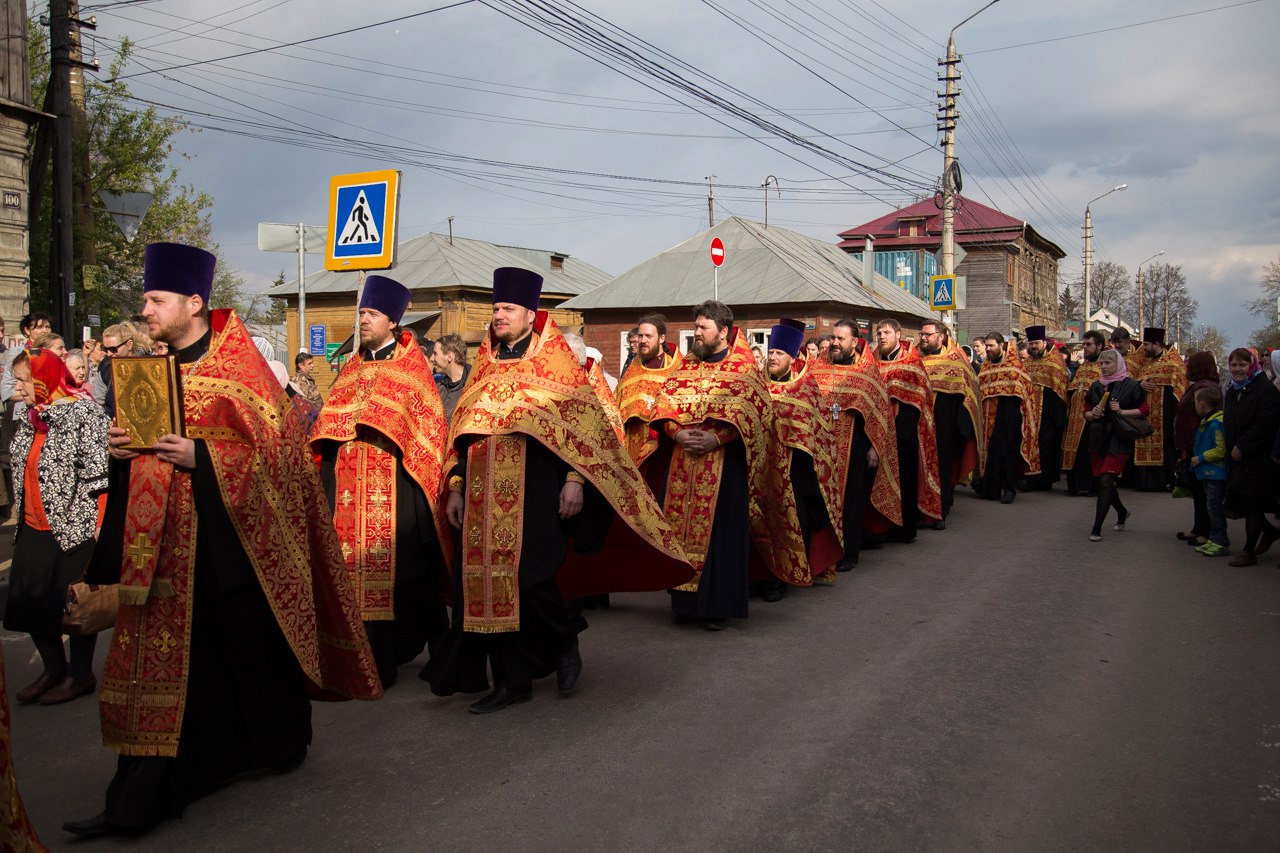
x=1011 y=423
x=235 y=607
x=902 y=369
x=957 y=411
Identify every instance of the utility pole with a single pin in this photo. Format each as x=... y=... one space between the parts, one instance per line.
x=947 y=118
x=1088 y=252
x=62 y=24
x=711 y=200
x=765 y=186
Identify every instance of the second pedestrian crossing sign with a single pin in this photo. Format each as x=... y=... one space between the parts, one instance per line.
x=362 y=220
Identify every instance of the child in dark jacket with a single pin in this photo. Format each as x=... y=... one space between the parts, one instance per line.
x=1208 y=455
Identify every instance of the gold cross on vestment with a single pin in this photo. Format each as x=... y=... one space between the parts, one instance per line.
x=378 y=497
x=346 y=497
x=142 y=550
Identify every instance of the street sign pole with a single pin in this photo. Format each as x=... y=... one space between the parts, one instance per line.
x=302 y=290
x=715 y=272
x=717 y=258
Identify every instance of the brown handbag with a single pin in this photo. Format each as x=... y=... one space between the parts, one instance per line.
x=91 y=607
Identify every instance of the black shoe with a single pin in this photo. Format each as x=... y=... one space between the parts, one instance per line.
x=772 y=593
x=939 y=525
x=1007 y=496
x=96 y=827
x=569 y=669
x=716 y=624
x=290 y=764
x=846 y=565
x=501 y=698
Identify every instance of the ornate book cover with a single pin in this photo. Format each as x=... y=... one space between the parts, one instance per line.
x=148 y=398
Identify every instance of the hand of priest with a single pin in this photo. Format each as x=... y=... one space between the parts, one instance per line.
x=1147 y=385
x=570 y=499
x=177 y=451
x=873 y=458
x=453 y=509
x=1236 y=455
x=116 y=440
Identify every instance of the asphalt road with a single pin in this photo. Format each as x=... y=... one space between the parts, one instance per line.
x=1001 y=685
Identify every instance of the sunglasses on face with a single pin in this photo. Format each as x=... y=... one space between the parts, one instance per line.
x=116 y=350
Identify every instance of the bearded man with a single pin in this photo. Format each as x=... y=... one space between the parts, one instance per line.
x=1164 y=377
x=228 y=625
x=957 y=411
x=1075 y=459
x=902 y=368
x=1010 y=421
x=637 y=390
x=1049 y=379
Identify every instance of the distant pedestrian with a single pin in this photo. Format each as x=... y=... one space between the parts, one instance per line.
x=1251 y=416
x=449 y=360
x=61 y=450
x=78 y=365
x=1209 y=454
x=304 y=365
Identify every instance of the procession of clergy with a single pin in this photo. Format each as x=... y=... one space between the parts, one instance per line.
x=479 y=536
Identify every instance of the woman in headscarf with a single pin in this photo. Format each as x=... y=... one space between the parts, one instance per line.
x=1109 y=448
x=1202 y=372
x=1251 y=416
x=60 y=479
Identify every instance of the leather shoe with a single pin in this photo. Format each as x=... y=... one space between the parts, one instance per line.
x=1244 y=558
x=69 y=689
x=846 y=565
x=501 y=697
x=33 y=691
x=96 y=826
x=939 y=525
x=569 y=669
x=772 y=593
x=716 y=624
x=1007 y=496
x=1264 y=542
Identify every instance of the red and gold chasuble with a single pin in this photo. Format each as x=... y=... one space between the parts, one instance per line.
x=1008 y=379
x=271 y=489
x=546 y=396
x=1047 y=373
x=1087 y=373
x=857 y=387
x=730 y=394
x=17 y=835
x=804 y=424
x=637 y=394
x=1166 y=371
x=908 y=385
x=949 y=373
x=376 y=409
x=608 y=405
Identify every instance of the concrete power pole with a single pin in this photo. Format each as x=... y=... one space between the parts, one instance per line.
x=1088 y=268
x=711 y=200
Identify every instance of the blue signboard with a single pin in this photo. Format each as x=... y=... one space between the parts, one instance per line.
x=319 y=339
x=942 y=293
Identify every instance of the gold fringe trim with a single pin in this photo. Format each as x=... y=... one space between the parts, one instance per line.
x=134 y=595
x=493 y=629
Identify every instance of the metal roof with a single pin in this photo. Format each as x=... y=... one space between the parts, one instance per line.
x=975 y=223
x=433 y=261
x=762 y=266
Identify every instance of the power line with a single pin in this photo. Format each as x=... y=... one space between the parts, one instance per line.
x=296 y=43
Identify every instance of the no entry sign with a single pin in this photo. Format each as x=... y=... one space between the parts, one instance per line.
x=717 y=251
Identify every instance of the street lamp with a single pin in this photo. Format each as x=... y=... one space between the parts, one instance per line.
x=1140 y=306
x=1088 y=249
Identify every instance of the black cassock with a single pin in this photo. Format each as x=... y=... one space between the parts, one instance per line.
x=955 y=430
x=857 y=489
x=1159 y=478
x=1004 y=452
x=1053 y=423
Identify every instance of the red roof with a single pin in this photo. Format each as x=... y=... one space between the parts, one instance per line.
x=974 y=223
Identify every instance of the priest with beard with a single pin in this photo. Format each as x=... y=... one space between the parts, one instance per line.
x=380 y=439
x=1075 y=458
x=1163 y=376
x=865 y=455
x=804 y=427
x=235 y=607
x=637 y=390
x=1049 y=379
x=957 y=411
x=908 y=385
x=1010 y=422
x=717 y=455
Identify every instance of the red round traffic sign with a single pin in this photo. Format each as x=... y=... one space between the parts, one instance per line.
x=717 y=251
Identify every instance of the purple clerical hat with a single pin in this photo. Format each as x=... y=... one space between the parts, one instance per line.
x=787 y=338
x=795 y=324
x=177 y=268
x=517 y=286
x=1153 y=335
x=1035 y=333
x=386 y=295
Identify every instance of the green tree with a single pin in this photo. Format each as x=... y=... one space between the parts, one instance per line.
x=265 y=310
x=127 y=150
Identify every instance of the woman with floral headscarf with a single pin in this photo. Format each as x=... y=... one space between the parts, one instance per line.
x=59 y=457
x=1251 y=416
x=1109 y=448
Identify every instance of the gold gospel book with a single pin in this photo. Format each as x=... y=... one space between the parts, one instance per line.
x=148 y=398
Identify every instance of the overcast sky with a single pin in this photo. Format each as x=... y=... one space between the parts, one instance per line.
x=1182 y=110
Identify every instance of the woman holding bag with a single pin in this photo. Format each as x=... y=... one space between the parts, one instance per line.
x=59 y=456
x=1109 y=442
x=1251 y=415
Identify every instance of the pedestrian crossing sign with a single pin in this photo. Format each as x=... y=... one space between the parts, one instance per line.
x=362 y=220
x=942 y=293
